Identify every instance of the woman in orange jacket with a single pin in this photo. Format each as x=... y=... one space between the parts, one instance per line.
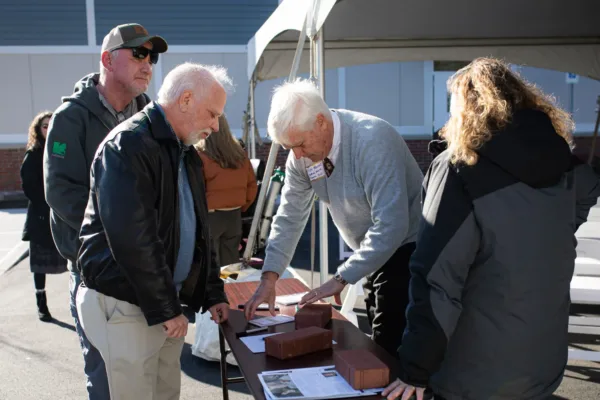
x=230 y=189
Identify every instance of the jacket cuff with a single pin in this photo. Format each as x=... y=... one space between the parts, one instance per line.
x=417 y=376
x=156 y=317
x=214 y=299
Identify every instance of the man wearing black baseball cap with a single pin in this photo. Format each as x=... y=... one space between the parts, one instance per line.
x=99 y=102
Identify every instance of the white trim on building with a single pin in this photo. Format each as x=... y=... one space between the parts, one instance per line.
x=90 y=15
x=157 y=74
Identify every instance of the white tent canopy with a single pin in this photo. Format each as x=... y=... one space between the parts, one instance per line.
x=555 y=34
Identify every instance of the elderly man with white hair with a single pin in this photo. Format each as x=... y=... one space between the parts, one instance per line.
x=145 y=237
x=363 y=170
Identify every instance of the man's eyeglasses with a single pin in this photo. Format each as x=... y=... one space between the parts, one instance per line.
x=142 y=52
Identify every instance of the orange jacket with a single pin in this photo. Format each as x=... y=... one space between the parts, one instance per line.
x=226 y=187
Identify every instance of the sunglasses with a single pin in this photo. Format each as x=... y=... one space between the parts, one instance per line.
x=142 y=52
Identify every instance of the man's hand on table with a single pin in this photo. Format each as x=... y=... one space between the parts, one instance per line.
x=328 y=289
x=219 y=312
x=265 y=293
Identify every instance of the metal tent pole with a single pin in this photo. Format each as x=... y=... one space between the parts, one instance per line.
x=252 y=143
x=323 y=238
x=271 y=161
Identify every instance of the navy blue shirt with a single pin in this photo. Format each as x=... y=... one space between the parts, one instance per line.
x=187 y=218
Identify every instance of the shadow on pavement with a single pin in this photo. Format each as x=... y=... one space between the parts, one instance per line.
x=208 y=372
x=587 y=373
x=62 y=324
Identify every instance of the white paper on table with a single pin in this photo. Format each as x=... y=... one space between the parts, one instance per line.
x=289 y=299
x=256 y=344
x=309 y=383
x=270 y=321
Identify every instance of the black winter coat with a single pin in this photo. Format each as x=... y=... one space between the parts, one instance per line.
x=130 y=233
x=37 y=223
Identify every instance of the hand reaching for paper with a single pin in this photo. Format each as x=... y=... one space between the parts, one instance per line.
x=265 y=293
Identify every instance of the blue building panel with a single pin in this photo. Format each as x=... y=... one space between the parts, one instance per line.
x=42 y=23
x=187 y=22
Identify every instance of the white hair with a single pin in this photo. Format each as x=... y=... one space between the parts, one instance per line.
x=295 y=106
x=191 y=76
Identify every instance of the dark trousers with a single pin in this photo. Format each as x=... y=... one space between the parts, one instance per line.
x=39 y=281
x=226 y=233
x=93 y=364
x=387 y=299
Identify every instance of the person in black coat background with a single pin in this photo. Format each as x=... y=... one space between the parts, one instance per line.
x=44 y=258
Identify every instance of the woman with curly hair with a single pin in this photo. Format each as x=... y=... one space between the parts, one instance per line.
x=495 y=253
x=44 y=258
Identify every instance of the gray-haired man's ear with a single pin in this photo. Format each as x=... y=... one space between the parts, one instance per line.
x=185 y=101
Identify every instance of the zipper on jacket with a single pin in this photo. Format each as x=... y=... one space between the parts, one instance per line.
x=177 y=228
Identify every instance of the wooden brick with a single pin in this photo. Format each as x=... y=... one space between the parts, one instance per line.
x=317 y=314
x=361 y=369
x=298 y=343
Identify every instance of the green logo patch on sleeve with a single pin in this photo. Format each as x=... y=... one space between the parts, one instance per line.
x=59 y=149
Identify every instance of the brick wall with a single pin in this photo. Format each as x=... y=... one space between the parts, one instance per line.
x=262 y=152
x=583 y=144
x=417 y=147
x=10 y=164
x=10 y=159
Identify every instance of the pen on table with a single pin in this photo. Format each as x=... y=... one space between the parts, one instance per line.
x=251 y=331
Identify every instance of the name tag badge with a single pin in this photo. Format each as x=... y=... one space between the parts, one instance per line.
x=316 y=171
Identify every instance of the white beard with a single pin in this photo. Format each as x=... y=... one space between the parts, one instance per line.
x=194 y=137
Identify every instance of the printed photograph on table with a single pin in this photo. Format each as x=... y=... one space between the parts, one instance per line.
x=316 y=383
x=282 y=386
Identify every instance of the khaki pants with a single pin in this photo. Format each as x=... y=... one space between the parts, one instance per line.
x=142 y=363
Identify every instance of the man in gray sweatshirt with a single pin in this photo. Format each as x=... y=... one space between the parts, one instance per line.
x=363 y=170
x=100 y=102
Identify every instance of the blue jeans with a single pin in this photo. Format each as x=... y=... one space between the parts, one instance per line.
x=93 y=364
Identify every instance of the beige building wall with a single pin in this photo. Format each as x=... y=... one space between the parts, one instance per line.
x=397 y=92
x=16 y=106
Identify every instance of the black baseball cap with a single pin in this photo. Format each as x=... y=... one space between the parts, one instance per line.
x=128 y=36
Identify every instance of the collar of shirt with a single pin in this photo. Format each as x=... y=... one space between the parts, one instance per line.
x=337 y=137
x=120 y=116
x=181 y=145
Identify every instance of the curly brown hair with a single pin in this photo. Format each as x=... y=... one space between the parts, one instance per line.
x=35 y=138
x=485 y=95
